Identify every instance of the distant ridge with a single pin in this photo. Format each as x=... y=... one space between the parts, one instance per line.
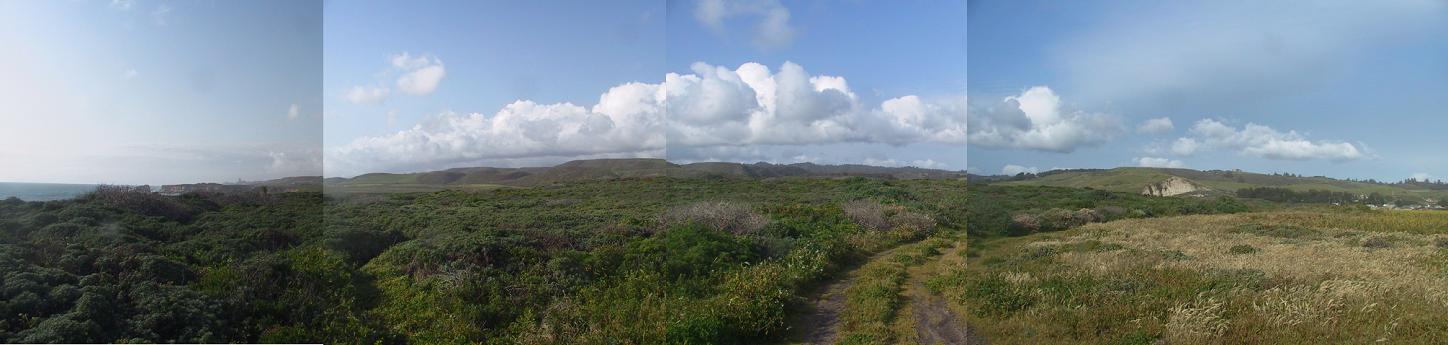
x=1138 y=179
x=599 y=169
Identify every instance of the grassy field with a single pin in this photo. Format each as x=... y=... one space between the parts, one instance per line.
x=1131 y=180
x=1252 y=278
x=394 y=188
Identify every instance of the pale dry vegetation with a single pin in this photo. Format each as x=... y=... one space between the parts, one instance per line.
x=723 y=216
x=1261 y=278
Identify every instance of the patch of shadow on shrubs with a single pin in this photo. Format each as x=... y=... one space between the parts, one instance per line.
x=1277 y=230
x=994 y=296
x=1378 y=242
x=1242 y=249
x=1441 y=242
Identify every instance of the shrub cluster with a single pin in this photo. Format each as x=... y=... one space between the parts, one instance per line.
x=717 y=215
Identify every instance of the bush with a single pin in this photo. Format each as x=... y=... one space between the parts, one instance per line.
x=716 y=215
x=1242 y=249
x=1441 y=242
x=1022 y=224
x=1377 y=242
x=867 y=214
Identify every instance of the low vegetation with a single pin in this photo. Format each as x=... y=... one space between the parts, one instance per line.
x=1328 y=276
x=646 y=260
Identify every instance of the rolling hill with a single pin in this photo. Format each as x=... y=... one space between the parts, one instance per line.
x=1210 y=182
x=477 y=178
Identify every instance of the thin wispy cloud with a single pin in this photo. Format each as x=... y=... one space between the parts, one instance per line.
x=771 y=25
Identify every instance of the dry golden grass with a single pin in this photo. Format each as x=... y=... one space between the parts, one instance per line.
x=1359 y=277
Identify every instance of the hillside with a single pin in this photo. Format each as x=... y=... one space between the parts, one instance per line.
x=603 y=169
x=1216 y=182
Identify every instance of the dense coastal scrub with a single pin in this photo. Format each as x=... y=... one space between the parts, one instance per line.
x=652 y=260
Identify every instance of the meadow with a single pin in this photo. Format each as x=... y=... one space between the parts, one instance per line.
x=1327 y=275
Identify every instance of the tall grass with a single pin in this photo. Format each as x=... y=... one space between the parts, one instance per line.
x=1261 y=278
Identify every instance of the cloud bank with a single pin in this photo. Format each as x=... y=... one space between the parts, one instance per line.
x=712 y=111
x=1264 y=142
x=1037 y=120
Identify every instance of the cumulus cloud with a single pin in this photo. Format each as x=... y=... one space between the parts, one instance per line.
x=293 y=112
x=1012 y=169
x=751 y=105
x=1157 y=162
x=1037 y=120
x=627 y=120
x=367 y=94
x=772 y=29
x=1184 y=146
x=713 y=113
x=420 y=74
x=1422 y=176
x=1156 y=126
x=1265 y=142
x=416 y=75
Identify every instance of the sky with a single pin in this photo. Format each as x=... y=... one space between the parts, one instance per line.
x=412 y=87
x=157 y=92
x=844 y=82
x=1335 y=88
x=434 y=85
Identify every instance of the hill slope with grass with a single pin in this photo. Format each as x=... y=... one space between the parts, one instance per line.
x=480 y=178
x=1216 y=182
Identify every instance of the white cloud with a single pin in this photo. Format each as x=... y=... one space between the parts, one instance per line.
x=159 y=15
x=1012 y=169
x=751 y=105
x=367 y=94
x=122 y=4
x=293 y=112
x=420 y=74
x=1036 y=120
x=1184 y=146
x=714 y=113
x=416 y=75
x=1156 y=162
x=771 y=31
x=627 y=121
x=1422 y=176
x=1265 y=142
x=130 y=73
x=296 y=163
x=891 y=162
x=1155 y=126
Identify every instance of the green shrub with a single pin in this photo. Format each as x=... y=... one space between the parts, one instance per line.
x=1242 y=249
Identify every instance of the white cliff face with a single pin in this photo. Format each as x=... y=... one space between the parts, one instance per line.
x=1170 y=187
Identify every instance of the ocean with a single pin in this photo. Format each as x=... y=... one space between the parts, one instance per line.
x=43 y=191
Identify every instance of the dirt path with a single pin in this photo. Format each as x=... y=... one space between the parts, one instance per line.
x=934 y=321
x=822 y=324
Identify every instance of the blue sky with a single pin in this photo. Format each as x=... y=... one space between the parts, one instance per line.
x=491 y=54
x=415 y=87
x=1343 y=89
x=153 y=92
